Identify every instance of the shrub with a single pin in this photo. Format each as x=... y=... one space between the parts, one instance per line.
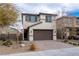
x=70 y=43
x=74 y=44
x=78 y=44
x=33 y=47
x=7 y=43
x=65 y=41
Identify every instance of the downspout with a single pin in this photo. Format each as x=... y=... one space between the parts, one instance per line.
x=23 y=28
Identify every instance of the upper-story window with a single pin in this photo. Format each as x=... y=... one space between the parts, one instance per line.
x=48 y=18
x=77 y=21
x=32 y=18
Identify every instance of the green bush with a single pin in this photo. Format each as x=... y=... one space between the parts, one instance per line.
x=65 y=41
x=70 y=42
x=7 y=43
x=78 y=44
x=74 y=44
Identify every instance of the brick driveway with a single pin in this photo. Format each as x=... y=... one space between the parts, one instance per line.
x=51 y=44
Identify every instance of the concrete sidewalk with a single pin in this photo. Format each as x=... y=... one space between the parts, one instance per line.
x=58 y=52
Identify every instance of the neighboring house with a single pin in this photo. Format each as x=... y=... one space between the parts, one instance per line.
x=40 y=26
x=66 y=25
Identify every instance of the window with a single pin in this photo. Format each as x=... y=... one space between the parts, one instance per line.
x=32 y=18
x=77 y=21
x=49 y=18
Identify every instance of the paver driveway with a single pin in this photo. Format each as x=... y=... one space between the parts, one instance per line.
x=51 y=44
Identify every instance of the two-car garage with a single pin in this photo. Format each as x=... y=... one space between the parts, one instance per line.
x=43 y=34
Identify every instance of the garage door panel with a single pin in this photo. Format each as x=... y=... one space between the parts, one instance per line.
x=43 y=34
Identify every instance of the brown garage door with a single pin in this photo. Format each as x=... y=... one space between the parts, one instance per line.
x=43 y=34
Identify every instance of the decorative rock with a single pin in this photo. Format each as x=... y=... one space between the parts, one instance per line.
x=22 y=45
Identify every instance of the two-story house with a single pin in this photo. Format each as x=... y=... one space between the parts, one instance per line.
x=40 y=26
x=66 y=26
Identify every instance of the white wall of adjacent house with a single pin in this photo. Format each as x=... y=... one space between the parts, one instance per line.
x=43 y=25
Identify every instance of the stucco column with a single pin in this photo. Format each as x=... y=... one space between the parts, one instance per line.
x=54 y=30
x=30 y=34
x=54 y=35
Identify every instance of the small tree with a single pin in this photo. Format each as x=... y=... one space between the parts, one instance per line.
x=73 y=29
x=17 y=28
x=73 y=32
x=8 y=14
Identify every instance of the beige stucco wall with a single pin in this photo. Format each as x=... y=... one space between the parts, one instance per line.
x=41 y=18
x=66 y=22
x=43 y=25
x=26 y=24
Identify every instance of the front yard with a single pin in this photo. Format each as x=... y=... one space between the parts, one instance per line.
x=14 y=48
x=72 y=42
x=38 y=45
x=18 y=47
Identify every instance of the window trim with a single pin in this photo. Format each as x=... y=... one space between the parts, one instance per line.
x=77 y=21
x=47 y=20
x=28 y=18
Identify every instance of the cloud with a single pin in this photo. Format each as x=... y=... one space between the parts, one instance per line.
x=72 y=6
x=47 y=7
x=36 y=8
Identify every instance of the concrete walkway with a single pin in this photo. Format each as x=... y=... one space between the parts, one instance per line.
x=58 y=52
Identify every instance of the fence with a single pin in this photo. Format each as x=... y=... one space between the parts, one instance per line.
x=10 y=36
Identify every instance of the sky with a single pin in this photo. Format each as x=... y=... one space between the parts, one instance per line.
x=71 y=9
